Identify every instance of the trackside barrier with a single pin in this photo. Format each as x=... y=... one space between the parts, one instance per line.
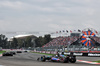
x=78 y=54
x=85 y=54
x=93 y=54
x=43 y=51
x=12 y=50
x=68 y=53
x=86 y=51
x=48 y=52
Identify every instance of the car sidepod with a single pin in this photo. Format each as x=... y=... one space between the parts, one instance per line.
x=55 y=59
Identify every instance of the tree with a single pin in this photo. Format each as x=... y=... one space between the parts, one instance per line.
x=3 y=41
x=39 y=41
x=14 y=43
x=47 y=38
x=28 y=42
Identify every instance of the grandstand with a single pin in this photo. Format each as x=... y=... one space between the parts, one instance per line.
x=87 y=40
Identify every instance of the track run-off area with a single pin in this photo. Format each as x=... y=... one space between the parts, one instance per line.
x=30 y=59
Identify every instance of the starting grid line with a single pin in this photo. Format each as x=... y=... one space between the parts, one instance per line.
x=89 y=62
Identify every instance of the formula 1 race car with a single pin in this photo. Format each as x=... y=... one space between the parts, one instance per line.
x=14 y=53
x=19 y=51
x=61 y=58
x=8 y=54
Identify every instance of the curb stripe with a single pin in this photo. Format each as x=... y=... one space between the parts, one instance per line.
x=88 y=62
x=0 y=55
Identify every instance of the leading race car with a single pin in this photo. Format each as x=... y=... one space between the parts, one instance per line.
x=60 y=58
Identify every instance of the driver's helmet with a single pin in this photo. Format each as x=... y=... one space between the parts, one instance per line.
x=56 y=56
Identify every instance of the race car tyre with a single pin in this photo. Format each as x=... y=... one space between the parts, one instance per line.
x=72 y=59
x=43 y=58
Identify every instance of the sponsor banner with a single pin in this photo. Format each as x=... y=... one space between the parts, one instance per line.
x=78 y=54
x=93 y=54
x=68 y=53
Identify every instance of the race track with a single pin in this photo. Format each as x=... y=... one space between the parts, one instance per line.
x=29 y=59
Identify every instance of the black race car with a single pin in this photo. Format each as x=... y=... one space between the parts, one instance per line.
x=61 y=58
x=7 y=54
x=14 y=53
x=19 y=51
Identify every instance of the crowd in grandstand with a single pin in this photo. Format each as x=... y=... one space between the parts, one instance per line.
x=97 y=39
x=62 y=41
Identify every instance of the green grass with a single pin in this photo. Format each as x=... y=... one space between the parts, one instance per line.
x=2 y=52
x=97 y=61
x=43 y=53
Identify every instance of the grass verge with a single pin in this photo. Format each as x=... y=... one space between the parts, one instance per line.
x=43 y=53
x=97 y=61
x=2 y=52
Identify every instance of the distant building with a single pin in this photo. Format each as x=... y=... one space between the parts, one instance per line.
x=22 y=37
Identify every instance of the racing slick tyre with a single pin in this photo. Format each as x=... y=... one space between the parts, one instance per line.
x=43 y=58
x=65 y=60
x=72 y=59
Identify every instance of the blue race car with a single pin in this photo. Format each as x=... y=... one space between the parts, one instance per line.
x=61 y=58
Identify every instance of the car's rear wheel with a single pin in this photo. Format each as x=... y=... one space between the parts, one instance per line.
x=73 y=59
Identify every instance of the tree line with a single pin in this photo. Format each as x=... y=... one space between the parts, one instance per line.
x=24 y=42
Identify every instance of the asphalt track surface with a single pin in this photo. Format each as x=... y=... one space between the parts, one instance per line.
x=29 y=59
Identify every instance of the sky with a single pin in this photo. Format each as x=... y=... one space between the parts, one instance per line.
x=49 y=15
